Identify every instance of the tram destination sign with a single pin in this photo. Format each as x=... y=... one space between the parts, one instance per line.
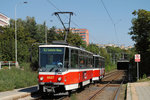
x=137 y=58
x=52 y=50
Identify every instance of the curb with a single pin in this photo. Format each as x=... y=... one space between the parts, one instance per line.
x=18 y=96
x=18 y=93
x=129 y=96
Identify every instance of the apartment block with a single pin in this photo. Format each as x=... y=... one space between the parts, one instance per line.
x=4 y=20
x=84 y=33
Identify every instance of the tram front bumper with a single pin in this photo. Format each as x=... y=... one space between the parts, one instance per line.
x=49 y=86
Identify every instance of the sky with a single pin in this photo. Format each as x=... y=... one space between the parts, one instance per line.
x=98 y=16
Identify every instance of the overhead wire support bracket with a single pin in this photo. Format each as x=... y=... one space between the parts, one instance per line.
x=66 y=29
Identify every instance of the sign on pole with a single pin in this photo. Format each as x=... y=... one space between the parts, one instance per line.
x=137 y=59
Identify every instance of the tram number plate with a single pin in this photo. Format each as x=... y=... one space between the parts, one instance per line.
x=50 y=77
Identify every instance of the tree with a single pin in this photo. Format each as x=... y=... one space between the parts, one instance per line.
x=93 y=48
x=52 y=35
x=140 y=32
x=7 y=44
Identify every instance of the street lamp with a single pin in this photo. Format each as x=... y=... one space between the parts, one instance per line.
x=16 y=35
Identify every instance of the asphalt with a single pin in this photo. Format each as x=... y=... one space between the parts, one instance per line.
x=18 y=93
x=138 y=91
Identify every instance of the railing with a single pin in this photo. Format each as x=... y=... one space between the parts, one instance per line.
x=7 y=63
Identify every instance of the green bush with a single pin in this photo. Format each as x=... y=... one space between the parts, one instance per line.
x=144 y=76
x=17 y=78
x=110 y=67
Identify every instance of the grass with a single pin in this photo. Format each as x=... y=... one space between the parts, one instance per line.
x=110 y=67
x=17 y=78
x=144 y=78
x=73 y=97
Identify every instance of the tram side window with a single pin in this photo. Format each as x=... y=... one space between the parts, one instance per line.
x=96 y=62
x=74 y=58
x=66 y=65
x=100 y=64
x=103 y=64
x=89 y=62
x=81 y=62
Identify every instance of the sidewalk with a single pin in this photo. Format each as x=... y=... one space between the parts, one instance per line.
x=17 y=93
x=138 y=91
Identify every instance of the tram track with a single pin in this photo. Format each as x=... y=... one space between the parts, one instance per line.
x=114 y=95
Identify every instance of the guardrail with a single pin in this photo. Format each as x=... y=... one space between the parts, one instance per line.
x=7 y=63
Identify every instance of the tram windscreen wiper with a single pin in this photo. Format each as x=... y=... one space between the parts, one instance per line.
x=51 y=69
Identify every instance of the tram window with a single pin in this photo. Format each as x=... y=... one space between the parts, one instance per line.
x=81 y=62
x=96 y=62
x=74 y=58
x=89 y=62
x=100 y=64
x=103 y=64
x=66 y=64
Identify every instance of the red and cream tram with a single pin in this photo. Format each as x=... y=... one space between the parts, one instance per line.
x=64 y=68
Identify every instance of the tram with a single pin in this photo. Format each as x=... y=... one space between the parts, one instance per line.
x=65 y=68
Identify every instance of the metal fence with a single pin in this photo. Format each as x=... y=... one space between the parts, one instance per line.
x=7 y=63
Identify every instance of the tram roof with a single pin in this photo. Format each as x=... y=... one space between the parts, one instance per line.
x=98 y=56
x=73 y=47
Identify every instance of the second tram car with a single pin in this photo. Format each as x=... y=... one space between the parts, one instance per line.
x=64 y=68
x=99 y=67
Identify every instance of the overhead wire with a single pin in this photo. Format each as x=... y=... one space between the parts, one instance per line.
x=52 y=4
x=114 y=25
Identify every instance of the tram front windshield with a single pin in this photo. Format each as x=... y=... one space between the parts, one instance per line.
x=51 y=57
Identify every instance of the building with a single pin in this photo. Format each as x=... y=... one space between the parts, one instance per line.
x=84 y=33
x=4 y=20
x=114 y=45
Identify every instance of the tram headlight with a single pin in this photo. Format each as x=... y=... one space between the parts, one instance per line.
x=41 y=78
x=59 y=79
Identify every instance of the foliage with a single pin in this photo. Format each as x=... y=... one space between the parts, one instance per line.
x=29 y=36
x=6 y=43
x=17 y=78
x=140 y=32
x=72 y=39
x=111 y=54
x=93 y=48
x=110 y=67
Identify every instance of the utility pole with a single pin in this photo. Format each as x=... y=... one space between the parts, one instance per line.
x=16 y=51
x=45 y=32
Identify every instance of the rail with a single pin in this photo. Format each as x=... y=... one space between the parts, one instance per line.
x=100 y=90
x=116 y=96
